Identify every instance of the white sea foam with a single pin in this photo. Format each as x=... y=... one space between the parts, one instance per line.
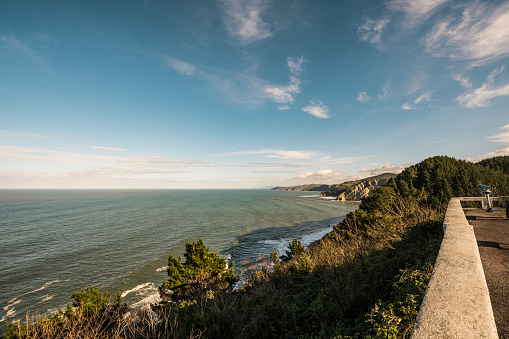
x=329 y=198
x=11 y=303
x=137 y=288
x=160 y=269
x=309 y=196
x=148 y=300
x=270 y=241
x=47 y=297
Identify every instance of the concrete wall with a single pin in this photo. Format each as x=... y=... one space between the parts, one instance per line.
x=457 y=303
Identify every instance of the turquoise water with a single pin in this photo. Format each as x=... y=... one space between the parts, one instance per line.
x=55 y=242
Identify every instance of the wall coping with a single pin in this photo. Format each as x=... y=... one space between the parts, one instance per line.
x=457 y=302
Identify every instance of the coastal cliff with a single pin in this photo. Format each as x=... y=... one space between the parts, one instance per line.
x=357 y=190
x=348 y=191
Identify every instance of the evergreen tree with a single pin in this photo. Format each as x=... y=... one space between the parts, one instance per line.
x=202 y=274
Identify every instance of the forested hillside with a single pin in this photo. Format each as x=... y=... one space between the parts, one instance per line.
x=498 y=163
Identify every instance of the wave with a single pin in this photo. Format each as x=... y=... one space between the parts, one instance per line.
x=139 y=287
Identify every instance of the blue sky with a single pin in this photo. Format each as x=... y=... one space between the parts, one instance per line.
x=246 y=94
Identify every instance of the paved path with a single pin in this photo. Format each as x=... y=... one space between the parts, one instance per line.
x=492 y=234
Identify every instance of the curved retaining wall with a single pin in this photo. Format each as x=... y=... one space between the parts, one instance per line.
x=457 y=302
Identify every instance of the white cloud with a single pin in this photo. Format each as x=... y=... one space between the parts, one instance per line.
x=109 y=149
x=406 y=106
x=387 y=168
x=363 y=97
x=480 y=35
x=243 y=19
x=480 y=97
x=423 y=97
x=178 y=65
x=284 y=94
x=317 y=109
x=283 y=107
x=327 y=176
x=415 y=10
x=501 y=138
x=371 y=31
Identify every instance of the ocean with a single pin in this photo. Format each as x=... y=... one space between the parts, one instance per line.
x=54 y=242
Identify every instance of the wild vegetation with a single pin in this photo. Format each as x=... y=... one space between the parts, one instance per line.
x=365 y=279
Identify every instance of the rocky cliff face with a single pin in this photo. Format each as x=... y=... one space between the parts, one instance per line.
x=356 y=190
x=361 y=190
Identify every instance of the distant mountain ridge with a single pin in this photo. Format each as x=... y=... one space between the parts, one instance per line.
x=310 y=187
x=350 y=190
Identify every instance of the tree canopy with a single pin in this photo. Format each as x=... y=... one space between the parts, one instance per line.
x=201 y=274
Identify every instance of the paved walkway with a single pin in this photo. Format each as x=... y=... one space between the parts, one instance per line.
x=492 y=234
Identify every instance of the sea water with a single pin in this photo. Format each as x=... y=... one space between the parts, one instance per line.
x=54 y=242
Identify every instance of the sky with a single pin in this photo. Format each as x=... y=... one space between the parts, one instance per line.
x=157 y=94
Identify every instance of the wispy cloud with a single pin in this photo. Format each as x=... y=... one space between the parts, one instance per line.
x=278 y=165
x=417 y=81
x=243 y=19
x=317 y=109
x=296 y=65
x=17 y=134
x=178 y=65
x=435 y=142
x=464 y=82
x=371 y=30
x=415 y=11
x=423 y=97
x=32 y=154
x=480 y=97
x=385 y=92
x=18 y=46
x=406 y=106
x=109 y=149
x=363 y=97
x=387 y=168
x=501 y=138
x=481 y=34
x=272 y=153
x=285 y=94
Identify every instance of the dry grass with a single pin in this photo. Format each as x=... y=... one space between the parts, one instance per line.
x=118 y=324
